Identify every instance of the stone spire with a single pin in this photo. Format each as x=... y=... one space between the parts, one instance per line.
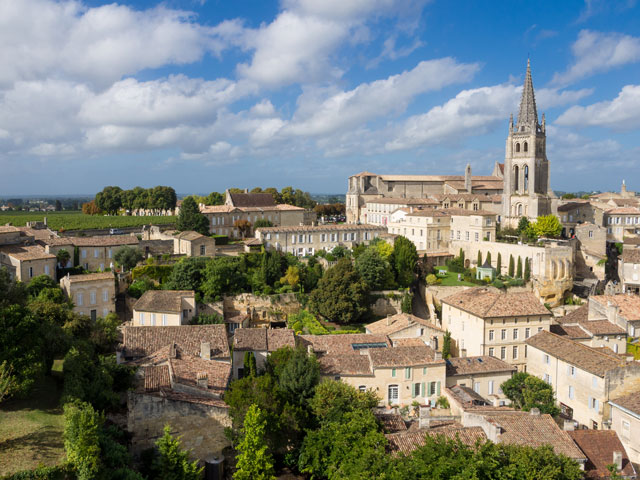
x=528 y=115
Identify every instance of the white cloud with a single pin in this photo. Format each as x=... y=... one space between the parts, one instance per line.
x=622 y=113
x=347 y=109
x=41 y=39
x=597 y=52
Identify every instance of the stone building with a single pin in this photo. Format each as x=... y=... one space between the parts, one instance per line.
x=165 y=308
x=591 y=250
x=193 y=244
x=305 y=240
x=93 y=253
x=621 y=310
x=27 y=261
x=584 y=379
x=527 y=189
x=594 y=333
x=378 y=210
x=182 y=374
x=625 y=420
x=485 y=321
x=92 y=294
x=629 y=270
x=260 y=342
x=603 y=448
x=622 y=222
x=483 y=374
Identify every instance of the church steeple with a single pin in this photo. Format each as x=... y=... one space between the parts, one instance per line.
x=528 y=115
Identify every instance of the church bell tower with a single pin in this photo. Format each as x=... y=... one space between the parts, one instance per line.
x=527 y=191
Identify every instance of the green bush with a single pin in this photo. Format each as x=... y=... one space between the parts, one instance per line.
x=138 y=287
x=221 y=239
x=308 y=322
x=59 y=472
x=498 y=283
x=159 y=273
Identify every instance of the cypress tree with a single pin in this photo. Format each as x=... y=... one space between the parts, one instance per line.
x=479 y=258
x=489 y=258
x=499 y=266
x=519 y=270
x=511 y=265
x=527 y=270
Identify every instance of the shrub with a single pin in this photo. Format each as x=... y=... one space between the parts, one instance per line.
x=431 y=279
x=221 y=239
x=138 y=287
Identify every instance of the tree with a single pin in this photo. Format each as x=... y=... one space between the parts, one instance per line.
x=519 y=268
x=446 y=344
x=499 y=264
x=249 y=364
x=82 y=439
x=190 y=218
x=385 y=249
x=7 y=380
x=172 y=462
x=404 y=258
x=128 y=257
x=333 y=399
x=58 y=206
x=39 y=283
x=223 y=275
x=243 y=226
x=479 y=258
x=262 y=223
x=511 y=266
x=341 y=295
x=527 y=392
x=109 y=199
x=547 y=226
x=299 y=377
x=254 y=461
x=374 y=270
x=291 y=277
x=431 y=279
x=63 y=257
x=406 y=306
x=488 y=260
x=90 y=208
x=523 y=226
x=187 y=274
x=527 y=269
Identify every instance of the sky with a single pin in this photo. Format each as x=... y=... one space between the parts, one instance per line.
x=204 y=95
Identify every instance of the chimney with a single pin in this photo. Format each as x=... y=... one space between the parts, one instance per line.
x=202 y=379
x=467 y=178
x=205 y=350
x=389 y=321
x=612 y=312
x=617 y=460
x=45 y=221
x=437 y=356
x=535 y=412
x=569 y=426
x=172 y=351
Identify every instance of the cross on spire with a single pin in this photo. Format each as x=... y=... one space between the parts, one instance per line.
x=528 y=115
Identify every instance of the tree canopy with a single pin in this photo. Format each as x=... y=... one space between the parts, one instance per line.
x=527 y=391
x=404 y=259
x=190 y=217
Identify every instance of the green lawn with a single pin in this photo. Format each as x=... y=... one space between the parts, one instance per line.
x=79 y=221
x=31 y=429
x=450 y=279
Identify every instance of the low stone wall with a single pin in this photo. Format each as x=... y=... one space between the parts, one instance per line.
x=200 y=426
x=261 y=309
x=386 y=302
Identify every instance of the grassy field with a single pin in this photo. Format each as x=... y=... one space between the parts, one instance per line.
x=79 y=221
x=31 y=429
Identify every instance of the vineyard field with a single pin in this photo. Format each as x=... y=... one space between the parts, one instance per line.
x=80 y=221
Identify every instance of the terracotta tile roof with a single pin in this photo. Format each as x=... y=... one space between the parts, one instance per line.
x=486 y=303
x=41 y=234
x=162 y=300
x=598 y=446
x=629 y=304
x=578 y=315
x=345 y=364
x=8 y=229
x=186 y=369
x=467 y=396
x=574 y=332
x=631 y=255
x=474 y=365
x=391 y=422
x=398 y=322
x=343 y=343
x=144 y=341
x=323 y=228
x=407 y=342
x=251 y=200
x=156 y=378
x=623 y=211
x=91 y=277
x=218 y=209
x=402 y=356
x=100 y=241
x=263 y=339
x=26 y=252
x=603 y=327
x=567 y=207
x=574 y=353
x=629 y=402
x=407 y=442
x=524 y=428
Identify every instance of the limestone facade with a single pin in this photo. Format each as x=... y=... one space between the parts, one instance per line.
x=92 y=294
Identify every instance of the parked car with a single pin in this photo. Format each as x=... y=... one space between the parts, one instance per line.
x=115 y=231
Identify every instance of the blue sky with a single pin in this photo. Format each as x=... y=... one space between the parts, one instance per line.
x=208 y=94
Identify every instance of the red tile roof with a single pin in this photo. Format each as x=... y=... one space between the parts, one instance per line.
x=407 y=442
x=485 y=303
x=599 y=446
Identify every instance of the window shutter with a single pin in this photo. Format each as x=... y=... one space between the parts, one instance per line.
x=422 y=389
x=413 y=391
x=438 y=388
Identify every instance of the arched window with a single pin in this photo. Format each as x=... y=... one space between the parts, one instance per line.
x=516 y=178
x=517 y=147
x=520 y=210
x=525 y=147
x=526 y=173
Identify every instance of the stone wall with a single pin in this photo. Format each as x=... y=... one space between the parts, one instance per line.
x=200 y=426
x=261 y=309
x=386 y=302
